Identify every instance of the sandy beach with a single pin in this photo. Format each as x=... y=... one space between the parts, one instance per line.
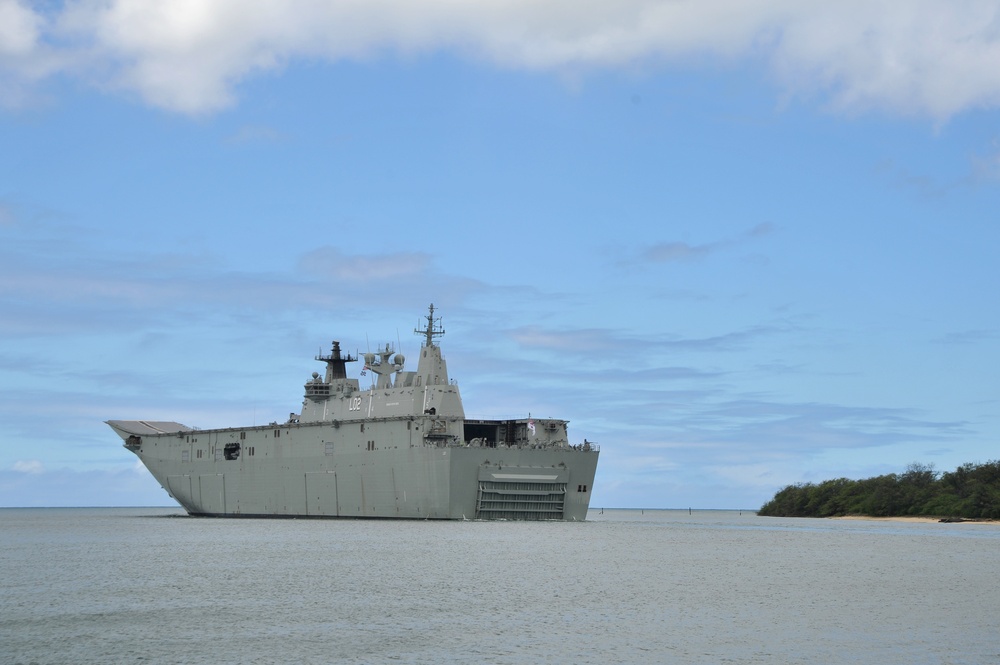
x=910 y=519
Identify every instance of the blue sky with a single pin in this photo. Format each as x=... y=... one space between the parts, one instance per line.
x=740 y=245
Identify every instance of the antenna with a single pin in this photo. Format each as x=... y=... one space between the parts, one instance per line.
x=367 y=367
x=433 y=329
x=399 y=346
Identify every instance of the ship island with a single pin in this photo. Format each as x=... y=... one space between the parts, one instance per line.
x=400 y=448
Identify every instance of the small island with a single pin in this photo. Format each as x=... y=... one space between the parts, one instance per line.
x=970 y=492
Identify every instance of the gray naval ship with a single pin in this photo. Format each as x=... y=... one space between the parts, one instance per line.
x=400 y=448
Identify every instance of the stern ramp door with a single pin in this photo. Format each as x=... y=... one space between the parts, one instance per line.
x=514 y=493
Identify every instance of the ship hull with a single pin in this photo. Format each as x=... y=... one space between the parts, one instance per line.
x=374 y=469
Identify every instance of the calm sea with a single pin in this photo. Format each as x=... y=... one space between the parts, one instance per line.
x=149 y=585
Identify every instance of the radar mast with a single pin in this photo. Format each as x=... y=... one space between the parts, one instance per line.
x=433 y=328
x=336 y=367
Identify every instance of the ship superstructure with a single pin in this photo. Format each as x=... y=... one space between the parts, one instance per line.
x=400 y=448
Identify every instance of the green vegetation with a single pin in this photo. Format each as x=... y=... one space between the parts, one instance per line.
x=971 y=491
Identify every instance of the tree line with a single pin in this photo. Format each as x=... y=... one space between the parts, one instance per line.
x=971 y=491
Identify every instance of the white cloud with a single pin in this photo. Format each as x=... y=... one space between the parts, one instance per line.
x=676 y=251
x=917 y=57
x=19 y=29
x=115 y=486
x=24 y=57
x=580 y=341
x=669 y=252
x=329 y=262
x=7 y=217
x=930 y=57
x=986 y=168
x=28 y=466
x=255 y=134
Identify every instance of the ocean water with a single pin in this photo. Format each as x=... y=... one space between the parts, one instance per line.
x=150 y=585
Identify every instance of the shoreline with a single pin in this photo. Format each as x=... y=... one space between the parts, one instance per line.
x=916 y=520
